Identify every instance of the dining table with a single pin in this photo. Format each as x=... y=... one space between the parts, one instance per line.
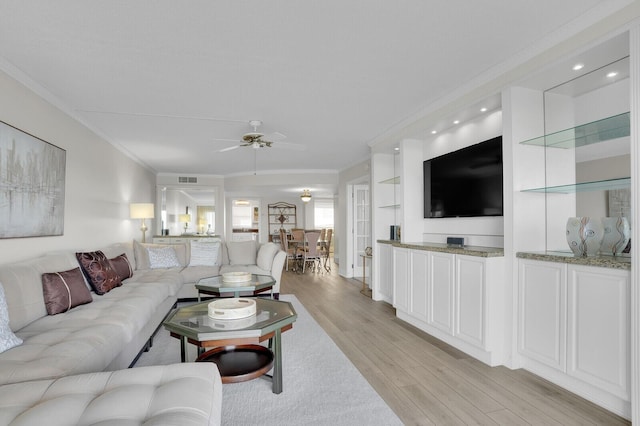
x=296 y=244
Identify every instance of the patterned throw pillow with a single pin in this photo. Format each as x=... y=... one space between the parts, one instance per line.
x=7 y=339
x=163 y=257
x=64 y=290
x=122 y=266
x=204 y=253
x=99 y=272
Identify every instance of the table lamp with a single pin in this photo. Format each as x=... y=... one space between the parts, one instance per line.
x=186 y=218
x=141 y=211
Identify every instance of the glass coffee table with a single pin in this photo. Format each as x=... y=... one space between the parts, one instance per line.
x=217 y=287
x=236 y=341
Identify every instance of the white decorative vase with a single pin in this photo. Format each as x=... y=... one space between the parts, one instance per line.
x=616 y=235
x=584 y=235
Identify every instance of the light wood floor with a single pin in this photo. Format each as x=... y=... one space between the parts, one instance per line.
x=425 y=381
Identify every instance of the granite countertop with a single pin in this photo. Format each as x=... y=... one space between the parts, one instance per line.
x=615 y=262
x=445 y=248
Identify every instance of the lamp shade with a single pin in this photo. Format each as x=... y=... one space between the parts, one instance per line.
x=184 y=218
x=141 y=210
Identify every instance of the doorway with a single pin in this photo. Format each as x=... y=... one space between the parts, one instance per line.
x=245 y=220
x=361 y=229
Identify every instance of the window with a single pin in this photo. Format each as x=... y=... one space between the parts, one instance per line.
x=241 y=216
x=323 y=213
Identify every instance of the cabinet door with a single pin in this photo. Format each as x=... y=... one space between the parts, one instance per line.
x=599 y=328
x=419 y=261
x=542 y=294
x=384 y=290
x=401 y=279
x=441 y=288
x=471 y=297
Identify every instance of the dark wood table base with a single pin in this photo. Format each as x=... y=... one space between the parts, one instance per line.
x=240 y=363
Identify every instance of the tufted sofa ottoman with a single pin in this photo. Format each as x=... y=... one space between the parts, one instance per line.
x=179 y=394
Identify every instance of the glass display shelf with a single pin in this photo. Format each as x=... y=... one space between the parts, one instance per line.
x=391 y=206
x=614 y=127
x=600 y=185
x=392 y=181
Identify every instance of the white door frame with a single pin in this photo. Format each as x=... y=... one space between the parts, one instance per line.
x=350 y=261
x=357 y=251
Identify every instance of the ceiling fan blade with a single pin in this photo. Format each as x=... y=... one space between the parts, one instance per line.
x=288 y=145
x=274 y=137
x=231 y=148
x=224 y=140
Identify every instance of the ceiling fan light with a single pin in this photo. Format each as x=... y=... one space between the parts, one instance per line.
x=306 y=196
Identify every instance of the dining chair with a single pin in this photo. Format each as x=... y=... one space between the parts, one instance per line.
x=311 y=252
x=284 y=244
x=298 y=240
x=326 y=249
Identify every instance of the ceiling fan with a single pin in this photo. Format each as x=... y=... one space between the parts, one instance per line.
x=257 y=140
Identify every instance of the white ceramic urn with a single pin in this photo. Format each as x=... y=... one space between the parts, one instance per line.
x=584 y=235
x=616 y=235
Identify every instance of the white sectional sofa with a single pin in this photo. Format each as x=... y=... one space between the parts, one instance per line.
x=108 y=333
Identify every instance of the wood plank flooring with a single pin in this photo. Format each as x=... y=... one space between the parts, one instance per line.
x=424 y=380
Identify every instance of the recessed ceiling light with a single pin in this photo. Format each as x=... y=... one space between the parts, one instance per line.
x=433 y=132
x=396 y=149
x=578 y=67
x=456 y=122
x=612 y=74
x=483 y=109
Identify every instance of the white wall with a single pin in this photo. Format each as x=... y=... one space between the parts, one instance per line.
x=100 y=180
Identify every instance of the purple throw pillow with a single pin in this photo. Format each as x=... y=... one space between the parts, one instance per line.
x=64 y=290
x=101 y=275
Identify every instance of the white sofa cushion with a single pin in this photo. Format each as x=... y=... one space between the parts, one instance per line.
x=242 y=252
x=22 y=283
x=141 y=254
x=85 y=339
x=8 y=340
x=204 y=253
x=162 y=257
x=178 y=394
x=265 y=256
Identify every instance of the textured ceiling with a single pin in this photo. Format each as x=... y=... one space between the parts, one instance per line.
x=173 y=82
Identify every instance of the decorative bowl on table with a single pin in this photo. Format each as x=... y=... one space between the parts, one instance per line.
x=236 y=277
x=235 y=308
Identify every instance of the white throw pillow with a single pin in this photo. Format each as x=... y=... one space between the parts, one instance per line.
x=8 y=340
x=204 y=253
x=242 y=252
x=266 y=253
x=162 y=257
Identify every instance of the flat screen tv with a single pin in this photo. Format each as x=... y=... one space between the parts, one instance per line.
x=465 y=183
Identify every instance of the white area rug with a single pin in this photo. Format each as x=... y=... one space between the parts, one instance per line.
x=320 y=385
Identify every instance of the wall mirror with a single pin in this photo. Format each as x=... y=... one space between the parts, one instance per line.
x=190 y=211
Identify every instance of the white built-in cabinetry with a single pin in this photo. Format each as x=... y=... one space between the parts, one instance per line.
x=384 y=287
x=401 y=277
x=452 y=296
x=441 y=291
x=574 y=329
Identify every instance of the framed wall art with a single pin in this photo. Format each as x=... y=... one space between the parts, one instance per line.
x=32 y=185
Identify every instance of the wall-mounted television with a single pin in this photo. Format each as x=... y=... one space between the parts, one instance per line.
x=465 y=183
